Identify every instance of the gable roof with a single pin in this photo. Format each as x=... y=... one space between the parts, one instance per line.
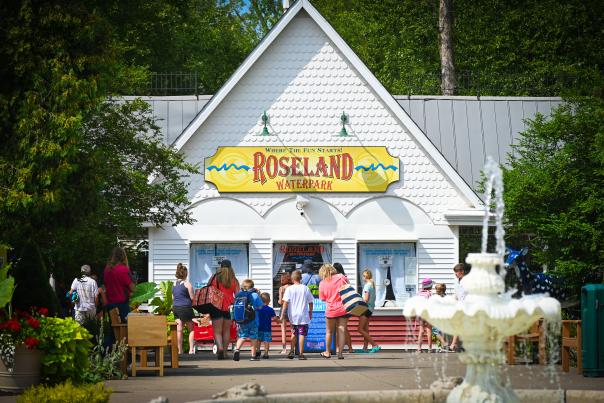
x=415 y=132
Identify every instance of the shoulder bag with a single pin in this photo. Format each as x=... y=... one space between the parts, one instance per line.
x=208 y=298
x=352 y=300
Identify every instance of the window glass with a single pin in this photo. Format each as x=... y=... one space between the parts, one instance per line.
x=394 y=270
x=206 y=258
x=288 y=257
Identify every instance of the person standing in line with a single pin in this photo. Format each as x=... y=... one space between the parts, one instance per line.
x=182 y=297
x=248 y=330
x=265 y=331
x=441 y=290
x=87 y=291
x=118 y=282
x=336 y=316
x=425 y=327
x=310 y=278
x=286 y=281
x=221 y=318
x=369 y=298
x=460 y=295
x=348 y=340
x=298 y=303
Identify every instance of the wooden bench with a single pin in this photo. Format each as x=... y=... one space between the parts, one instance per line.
x=536 y=335
x=573 y=342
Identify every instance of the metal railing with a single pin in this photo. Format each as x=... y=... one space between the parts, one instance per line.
x=471 y=83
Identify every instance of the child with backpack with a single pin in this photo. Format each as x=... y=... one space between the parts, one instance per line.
x=265 y=317
x=244 y=312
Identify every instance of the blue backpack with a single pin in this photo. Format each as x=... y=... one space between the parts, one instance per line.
x=243 y=311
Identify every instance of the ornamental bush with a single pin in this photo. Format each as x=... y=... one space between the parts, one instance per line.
x=67 y=346
x=66 y=393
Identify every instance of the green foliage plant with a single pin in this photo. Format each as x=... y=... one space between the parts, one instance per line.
x=66 y=393
x=163 y=305
x=104 y=361
x=7 y=287
x=66 y=346
x=143 y=293
x=554 y=191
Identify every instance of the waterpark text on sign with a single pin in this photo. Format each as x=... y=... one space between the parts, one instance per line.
x=301 y=169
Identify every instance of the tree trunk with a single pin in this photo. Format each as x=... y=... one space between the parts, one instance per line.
x=448 y=83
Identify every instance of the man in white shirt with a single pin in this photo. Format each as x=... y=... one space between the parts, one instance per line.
x=297 y=302
x=88 y=293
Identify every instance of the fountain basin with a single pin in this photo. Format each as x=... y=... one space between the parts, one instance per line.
x=483 y=320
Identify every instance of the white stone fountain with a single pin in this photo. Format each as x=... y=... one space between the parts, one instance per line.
x=487 y=316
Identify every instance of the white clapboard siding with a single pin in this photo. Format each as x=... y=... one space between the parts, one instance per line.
x=436 y=258
x=261 y=259
x=344 y=251
x=164 y=255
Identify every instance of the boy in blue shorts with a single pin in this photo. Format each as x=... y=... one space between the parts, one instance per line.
x=265 y=333
x=249 y=330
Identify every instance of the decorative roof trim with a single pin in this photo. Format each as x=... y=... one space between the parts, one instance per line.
x=433 y=153
x=472 y=217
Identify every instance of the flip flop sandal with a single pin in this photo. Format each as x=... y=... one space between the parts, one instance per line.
x=340 y=357
x=327 y=357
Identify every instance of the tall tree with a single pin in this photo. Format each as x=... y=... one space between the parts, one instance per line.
x=554 y=191
x=448 y=80
x=74 y=168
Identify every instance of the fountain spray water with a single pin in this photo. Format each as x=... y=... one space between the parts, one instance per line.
x=487 y=316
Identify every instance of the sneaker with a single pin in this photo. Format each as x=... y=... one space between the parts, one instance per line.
x=265 y=356
x=220 y=355
x=284 y=351
x=301 y=357
x=258 y=354
x=375 y=349
x=361 y=351
x=255 y=358
x=236 y=355
x=291 y=355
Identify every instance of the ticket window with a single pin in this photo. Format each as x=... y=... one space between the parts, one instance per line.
x=394 y=270
x=289 y=256
x=206 y=258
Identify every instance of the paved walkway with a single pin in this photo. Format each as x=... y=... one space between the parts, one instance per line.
x=201 y=376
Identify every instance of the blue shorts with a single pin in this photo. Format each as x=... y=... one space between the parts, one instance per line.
x=265 y=335
x=247 y=331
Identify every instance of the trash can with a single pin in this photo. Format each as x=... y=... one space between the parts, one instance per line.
x=592 y=325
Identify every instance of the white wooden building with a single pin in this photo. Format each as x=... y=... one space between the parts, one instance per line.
x=304 y=76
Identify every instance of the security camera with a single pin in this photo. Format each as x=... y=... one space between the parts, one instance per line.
x=301 y=202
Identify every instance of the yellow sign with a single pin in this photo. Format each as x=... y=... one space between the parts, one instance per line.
x=301 y=169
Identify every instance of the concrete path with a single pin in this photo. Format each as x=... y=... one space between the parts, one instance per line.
x=201 y=376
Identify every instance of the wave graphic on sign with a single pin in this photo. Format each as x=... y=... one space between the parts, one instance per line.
x=374 y=167
x=225 y=167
